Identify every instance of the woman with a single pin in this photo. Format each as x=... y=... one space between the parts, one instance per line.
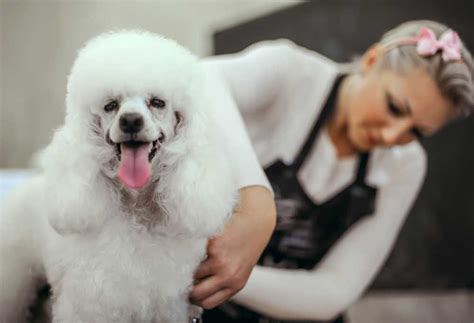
x=340 y=149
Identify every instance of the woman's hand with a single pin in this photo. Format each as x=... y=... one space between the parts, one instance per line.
x=232 y=255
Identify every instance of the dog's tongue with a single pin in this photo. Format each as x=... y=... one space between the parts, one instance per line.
x=134 y=170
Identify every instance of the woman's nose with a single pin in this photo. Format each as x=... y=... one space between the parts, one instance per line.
x=397 y=133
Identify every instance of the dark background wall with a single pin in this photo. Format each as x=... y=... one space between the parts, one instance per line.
x=435 y=249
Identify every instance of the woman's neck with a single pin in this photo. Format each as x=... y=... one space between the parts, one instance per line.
x=337 y=124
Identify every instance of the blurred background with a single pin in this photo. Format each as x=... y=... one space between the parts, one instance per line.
x=429 y=276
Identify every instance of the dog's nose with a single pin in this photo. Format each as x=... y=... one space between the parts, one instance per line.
x=131 y=122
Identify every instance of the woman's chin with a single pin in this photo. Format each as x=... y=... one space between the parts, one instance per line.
x=362 y=146
x=363 y=142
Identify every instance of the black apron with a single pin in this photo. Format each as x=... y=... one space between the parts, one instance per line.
x=305 y=231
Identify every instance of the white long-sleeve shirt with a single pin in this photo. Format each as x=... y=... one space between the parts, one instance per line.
x=280 y=88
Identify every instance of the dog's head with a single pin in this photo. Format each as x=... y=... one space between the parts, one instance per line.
x=136 y=91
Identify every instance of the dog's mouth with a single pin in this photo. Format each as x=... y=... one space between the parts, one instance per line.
x=135 y=159
x=152 y=147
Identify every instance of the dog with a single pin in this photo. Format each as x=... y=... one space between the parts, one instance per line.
x=128 y=193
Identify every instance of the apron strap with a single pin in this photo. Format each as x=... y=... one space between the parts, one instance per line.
x=362 y=168
x=326 y=111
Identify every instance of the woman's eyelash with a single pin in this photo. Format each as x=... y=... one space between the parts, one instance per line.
x=393 y=108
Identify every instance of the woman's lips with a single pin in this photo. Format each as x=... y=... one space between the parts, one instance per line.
x=372 y=139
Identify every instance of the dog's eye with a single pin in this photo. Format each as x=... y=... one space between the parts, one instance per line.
x=157 y=103
x=112 y=105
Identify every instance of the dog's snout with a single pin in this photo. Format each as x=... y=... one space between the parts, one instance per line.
x=131 y=122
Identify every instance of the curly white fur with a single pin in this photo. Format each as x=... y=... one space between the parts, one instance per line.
x=111 y=253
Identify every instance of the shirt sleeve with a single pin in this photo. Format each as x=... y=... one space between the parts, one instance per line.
x=256 y=75
x=242 y=83
x=351 y=264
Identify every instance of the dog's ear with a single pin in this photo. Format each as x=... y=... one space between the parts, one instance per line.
x=199 y=193
x=77 y=198
x=179 y=120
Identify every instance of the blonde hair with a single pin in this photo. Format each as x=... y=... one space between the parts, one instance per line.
x=454 y=78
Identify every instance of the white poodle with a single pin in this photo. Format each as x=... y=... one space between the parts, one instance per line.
x=131 y=188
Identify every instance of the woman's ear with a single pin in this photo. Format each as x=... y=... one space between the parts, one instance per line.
x=371 y=57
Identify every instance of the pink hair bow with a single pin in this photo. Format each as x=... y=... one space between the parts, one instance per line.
x=448 y=43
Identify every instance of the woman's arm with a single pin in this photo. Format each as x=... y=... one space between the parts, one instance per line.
x=233 y=254
x=351 y=264
x=242 y=81
x=248 y=81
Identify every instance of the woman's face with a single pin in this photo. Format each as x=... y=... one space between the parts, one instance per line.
x=387 y=108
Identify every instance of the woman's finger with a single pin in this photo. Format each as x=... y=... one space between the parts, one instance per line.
x=217 y=298
x=204 y=289
x=204 y=270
